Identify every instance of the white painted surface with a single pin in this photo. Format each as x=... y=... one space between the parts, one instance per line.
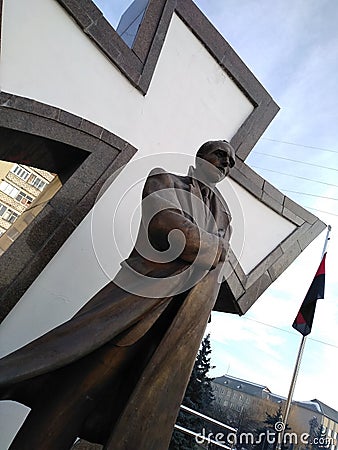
x=257 y=230
x=91 y=257
x=45 y=56
x=189 y=101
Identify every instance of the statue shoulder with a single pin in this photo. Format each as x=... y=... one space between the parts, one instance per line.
x=157 y=179
x=160 y=178
x=158 y=172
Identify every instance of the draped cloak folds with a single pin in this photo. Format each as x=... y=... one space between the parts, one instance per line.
x=161 y=300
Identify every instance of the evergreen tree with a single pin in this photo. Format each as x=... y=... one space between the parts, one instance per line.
x=312 y=431
x=199 y=391
x=198 y=396
x=320 y=439
x=270 y=431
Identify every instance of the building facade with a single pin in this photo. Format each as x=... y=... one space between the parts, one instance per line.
x=245 y=404
x=23 y=193
x=241 y=403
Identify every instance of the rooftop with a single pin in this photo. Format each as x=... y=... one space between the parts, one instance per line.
x=261 y=391
x=318 y=406
x=254 y=389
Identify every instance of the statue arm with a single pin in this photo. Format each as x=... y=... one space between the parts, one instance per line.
x=206 y=249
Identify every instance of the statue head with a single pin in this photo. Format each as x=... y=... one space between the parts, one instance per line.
x=214 y=159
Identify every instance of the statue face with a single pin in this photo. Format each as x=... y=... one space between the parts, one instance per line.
x=221 y=158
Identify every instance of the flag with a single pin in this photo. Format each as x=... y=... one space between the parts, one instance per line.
x=304 y=319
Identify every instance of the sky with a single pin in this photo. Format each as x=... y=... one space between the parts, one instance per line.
x=291 y=47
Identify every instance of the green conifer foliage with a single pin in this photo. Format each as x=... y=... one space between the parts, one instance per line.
x=199 y=397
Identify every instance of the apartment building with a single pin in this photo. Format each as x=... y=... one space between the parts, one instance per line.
x=238 y=401
x=244 y=405
x=24 y=191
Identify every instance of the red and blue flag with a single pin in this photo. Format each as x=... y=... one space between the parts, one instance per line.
x=304 y=319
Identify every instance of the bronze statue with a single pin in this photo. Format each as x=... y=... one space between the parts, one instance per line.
x=116 y=372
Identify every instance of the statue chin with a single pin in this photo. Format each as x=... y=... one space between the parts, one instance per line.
x=208 y=172
x=213 y=175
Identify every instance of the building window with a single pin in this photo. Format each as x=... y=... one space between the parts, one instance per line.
x=20 y=172
x=10 y=215
x=9 y=189
x=24 y=198
x=37 y=182
x=13 y=192
x=2 y=209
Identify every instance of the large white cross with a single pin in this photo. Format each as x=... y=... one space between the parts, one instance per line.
x=180 y=85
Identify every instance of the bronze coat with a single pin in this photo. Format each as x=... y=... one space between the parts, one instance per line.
x=115 y=318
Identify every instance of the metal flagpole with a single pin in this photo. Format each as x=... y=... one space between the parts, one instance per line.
x=297 y=365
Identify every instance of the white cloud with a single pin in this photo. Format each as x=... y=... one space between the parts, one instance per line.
x=316 y=375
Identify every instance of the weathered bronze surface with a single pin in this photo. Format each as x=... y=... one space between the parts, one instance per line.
x=116 y=373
